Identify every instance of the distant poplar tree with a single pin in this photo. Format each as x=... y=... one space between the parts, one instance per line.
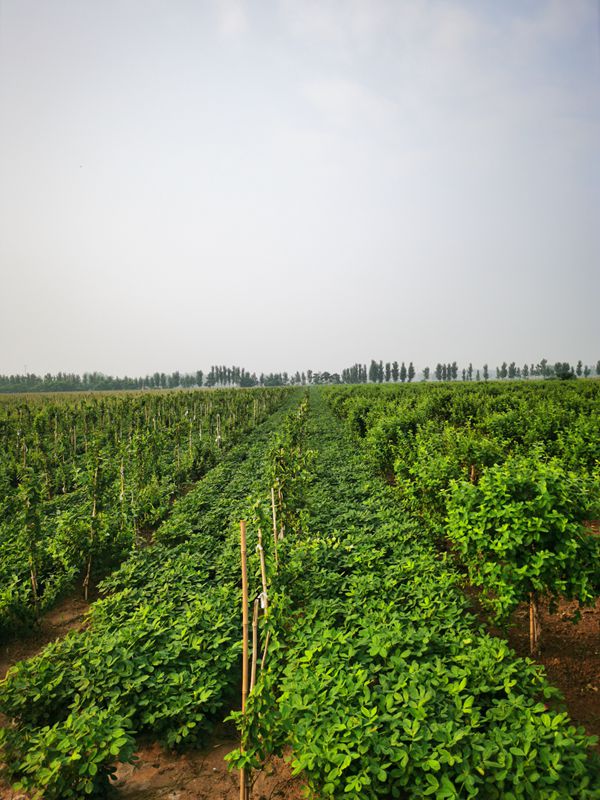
x=477 y=376
x=439 y=371
x=598 y=368
x=425 y=373
x=373 y=371
x=395 y=372
x=470 y=372
x=504 y=370
x=444 y=372
x=525 y=371
x=411 y=372
x=586 y=371
x=380 y=372
x=512 y=370
x=486 y=374
x=388 y=372
x=454 y=370
x=464 y=374
x=579 y=368
x=403 y=372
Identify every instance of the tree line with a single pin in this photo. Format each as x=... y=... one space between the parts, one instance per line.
x=223 y=376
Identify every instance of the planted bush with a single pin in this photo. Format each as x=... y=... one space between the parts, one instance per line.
x=520 y=532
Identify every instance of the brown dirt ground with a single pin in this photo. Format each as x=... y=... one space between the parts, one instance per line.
x=569 y=652
x=201 y=775
x=66 y=616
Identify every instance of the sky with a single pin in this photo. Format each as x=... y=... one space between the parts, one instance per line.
x=293 y=184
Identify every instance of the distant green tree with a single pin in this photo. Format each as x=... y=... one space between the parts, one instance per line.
x=373 y=371
x=425 y=373
x=453 y=370
x=395 y=372
x=388 y=372
x=403 y=372
x=504 y=370
x=579 y=368
x=525 y=371
x=586 y=371
x=563 y=370
x=486 y=374
x=470 y=372
x=512 y=370
x=439 y=370
x=411 y=372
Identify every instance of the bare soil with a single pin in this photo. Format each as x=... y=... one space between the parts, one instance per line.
x=201 y=775
x=68 y=615
x=569 y=652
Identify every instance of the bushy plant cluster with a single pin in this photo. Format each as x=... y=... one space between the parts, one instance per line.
x=509 y=474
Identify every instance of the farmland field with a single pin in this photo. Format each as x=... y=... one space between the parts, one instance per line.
x=377 y=507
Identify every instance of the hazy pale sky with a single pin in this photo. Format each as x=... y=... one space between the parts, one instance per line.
x=292 y=184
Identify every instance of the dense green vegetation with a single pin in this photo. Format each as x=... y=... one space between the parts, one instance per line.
x=83 y=480
x=161 y=652
x=378 y=678
x=375 y=674
x=509 y=474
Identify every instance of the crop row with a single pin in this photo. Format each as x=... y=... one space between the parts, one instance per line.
x=377 y=677
x=81 y=482
x=509 y=475
x=160 y=655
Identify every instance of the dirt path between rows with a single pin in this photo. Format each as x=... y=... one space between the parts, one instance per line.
x=68 y=615
x=201 y=775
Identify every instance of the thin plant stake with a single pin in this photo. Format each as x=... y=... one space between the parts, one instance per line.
x=263 y=574
x=264 y=655
x=274 y=524
x=535 y=628
x=254 y=643
x=263 y=571
x=282 y=529
x=243 y=783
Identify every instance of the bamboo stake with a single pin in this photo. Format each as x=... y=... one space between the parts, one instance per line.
x=254 y=644
x=243 y=784
x=263 y=571
x=264 y=655
x=282 y=530
x=534 y=624
x=274 y=524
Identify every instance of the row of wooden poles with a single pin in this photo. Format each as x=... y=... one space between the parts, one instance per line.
x=261 y=602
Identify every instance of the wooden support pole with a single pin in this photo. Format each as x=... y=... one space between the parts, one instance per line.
x=263 y=571
x=274 y=524
x=535 y=627
x=254 y=643
x=243 y=782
